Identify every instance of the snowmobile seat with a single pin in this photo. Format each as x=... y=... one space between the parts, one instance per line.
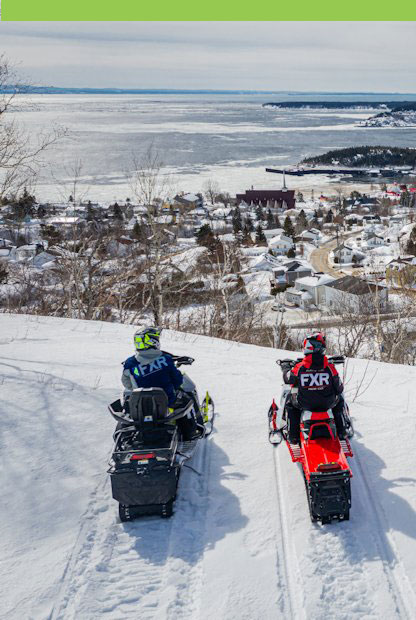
x=320 y=431
x=148 y=407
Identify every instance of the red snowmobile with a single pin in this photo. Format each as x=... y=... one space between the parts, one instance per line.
x=321 y=454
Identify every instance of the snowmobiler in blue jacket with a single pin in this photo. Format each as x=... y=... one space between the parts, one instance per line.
x=150 y=367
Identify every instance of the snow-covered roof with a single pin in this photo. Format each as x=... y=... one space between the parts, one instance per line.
x=280 y=239
x=315 y=280
x=191 y=197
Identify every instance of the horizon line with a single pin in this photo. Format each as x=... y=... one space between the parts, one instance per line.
x=109 y=89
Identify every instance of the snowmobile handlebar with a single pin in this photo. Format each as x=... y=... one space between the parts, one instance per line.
x=182 y=360
x=289 y=363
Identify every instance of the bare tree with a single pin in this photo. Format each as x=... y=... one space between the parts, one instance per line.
x=211 y=190
x=151 y=188
x=20 y=152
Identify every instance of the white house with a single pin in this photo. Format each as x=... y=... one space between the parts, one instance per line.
x=374 y=241
x=314 y=285
x=310 y=235
x=302 y=299
x=281 y=244
x=347 y=254
x=343 y=253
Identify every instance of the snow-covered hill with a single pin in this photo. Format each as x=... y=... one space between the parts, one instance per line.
x=240 y=544
x=402 y=118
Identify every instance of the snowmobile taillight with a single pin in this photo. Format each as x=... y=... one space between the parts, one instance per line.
x=142 y=457
x=328 y=466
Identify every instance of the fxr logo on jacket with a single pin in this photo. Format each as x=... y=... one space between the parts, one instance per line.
x=314 y=380
x=142 y=370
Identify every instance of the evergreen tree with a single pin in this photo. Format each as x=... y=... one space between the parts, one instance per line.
x=299 y=197
x=248 y=222
x=259 y=213
x=51 y=234
x=260 y=236
x=291 y=253
x=118 y=214
x=277 y=223
x=246 y=237
x=90 y=212
x=301 y=221
x=41 y=212
x=137 y=231
x=205 y=236
x=411 y=244
x=288 y=227
x=236 y=220
x=329 y=218
x=269 y=220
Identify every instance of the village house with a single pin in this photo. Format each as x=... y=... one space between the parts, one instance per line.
x=191 y=201
x=347 y=254
x=280 y=245
x=310 y=236
x=401 y=271
x=354 y=295
x=309 y=291
x=296 y=270
x=343 y=253
x=374 y=241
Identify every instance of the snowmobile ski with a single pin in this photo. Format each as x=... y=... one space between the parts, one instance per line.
x=275 y=434
x=208 y=414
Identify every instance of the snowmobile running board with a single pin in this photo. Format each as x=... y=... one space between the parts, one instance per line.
x=295 y=452
x=346 y=447
x=298 y=457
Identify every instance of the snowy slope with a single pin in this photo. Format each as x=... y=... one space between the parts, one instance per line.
x=240 y=545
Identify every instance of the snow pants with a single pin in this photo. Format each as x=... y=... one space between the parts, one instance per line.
x=294 y=415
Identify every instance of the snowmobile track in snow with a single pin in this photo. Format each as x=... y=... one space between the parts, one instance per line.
x=194 y=499
x=290 y=580
x=113 y=567
x=398 y=583
x=337 y=551
x=81 y=552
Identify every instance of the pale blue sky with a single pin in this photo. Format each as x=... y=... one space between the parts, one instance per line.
x=341 y=56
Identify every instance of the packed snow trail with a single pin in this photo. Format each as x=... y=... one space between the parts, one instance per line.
x=240 y=544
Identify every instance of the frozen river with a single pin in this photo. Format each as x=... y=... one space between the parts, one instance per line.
x=229 y=138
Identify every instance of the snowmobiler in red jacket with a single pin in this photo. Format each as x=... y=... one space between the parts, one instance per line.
x=316 y=386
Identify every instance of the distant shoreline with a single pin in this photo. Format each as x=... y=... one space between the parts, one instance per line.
x=56 y=90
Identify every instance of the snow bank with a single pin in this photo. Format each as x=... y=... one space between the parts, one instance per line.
x=240 y=544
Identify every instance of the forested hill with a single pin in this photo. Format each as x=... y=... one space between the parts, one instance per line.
x=377 y=156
